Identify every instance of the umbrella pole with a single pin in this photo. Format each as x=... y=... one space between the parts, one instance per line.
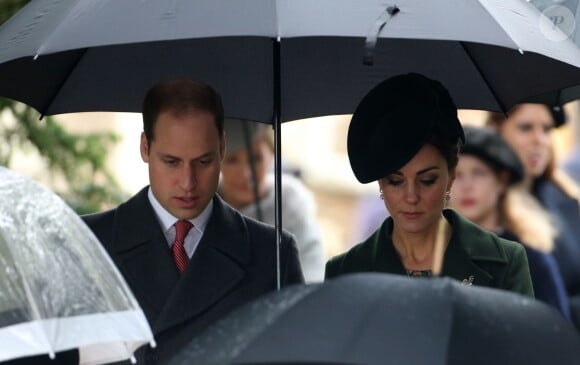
x=277 y=156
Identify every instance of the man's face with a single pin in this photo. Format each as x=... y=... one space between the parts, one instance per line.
x=184 y=160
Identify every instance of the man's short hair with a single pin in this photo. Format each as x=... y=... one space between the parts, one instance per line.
x=181 y=96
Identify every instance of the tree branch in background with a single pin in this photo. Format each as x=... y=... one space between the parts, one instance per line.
x=75 y=162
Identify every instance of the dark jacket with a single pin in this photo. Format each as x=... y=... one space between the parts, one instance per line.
x=566 y=214
x=473 y=256
x=234 y=263
x=548 y=283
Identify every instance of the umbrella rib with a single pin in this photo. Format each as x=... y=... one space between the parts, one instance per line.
x=71 y=7
x=35 y=309
x=44 y=110
x=485 y=80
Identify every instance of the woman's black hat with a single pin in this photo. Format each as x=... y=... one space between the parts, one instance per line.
x=489 y=146
x=394 y=120
x=552 y=102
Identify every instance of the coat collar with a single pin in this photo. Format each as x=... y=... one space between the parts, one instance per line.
x=468 y=246
x=216 y=267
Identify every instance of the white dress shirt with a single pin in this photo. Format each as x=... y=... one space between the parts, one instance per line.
x=167 y=221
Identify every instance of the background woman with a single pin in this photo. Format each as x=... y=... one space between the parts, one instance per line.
x=252 y=193
x=486 y=191
x=528 y=130
x=405 y=134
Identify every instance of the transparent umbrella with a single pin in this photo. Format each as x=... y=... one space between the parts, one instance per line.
x=59 y=290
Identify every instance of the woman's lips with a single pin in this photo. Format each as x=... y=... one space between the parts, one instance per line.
x=467 y=202
x=412 y=215
x=535 y=158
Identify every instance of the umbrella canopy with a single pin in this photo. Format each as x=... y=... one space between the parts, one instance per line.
x=300 y=58
x=387 y=319
x=59 y=290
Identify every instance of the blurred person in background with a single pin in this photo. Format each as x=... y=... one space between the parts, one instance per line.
x=486 y=190
x=571 y=163
x=528 y=130
x=405 y=135
x=369 y=214
x=247 y=184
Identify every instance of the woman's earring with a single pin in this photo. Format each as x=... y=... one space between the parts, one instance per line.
x=381 y=195
x=447 y=196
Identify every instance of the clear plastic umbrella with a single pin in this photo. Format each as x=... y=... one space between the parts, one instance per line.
x=59 y=289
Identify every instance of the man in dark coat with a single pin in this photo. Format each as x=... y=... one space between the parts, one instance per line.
x=186 y=278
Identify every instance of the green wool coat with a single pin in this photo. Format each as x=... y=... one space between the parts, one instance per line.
x=474 y=256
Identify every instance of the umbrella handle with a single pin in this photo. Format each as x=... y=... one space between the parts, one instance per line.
x=373 y=34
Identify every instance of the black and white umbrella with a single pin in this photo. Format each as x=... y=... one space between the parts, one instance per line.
x=63 y=56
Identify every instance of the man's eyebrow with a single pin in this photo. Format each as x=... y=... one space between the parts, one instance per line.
x=168 y=155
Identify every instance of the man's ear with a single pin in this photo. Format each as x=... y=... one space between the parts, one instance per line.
x=144 y=148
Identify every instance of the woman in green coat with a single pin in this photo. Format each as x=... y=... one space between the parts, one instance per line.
x=406 y=136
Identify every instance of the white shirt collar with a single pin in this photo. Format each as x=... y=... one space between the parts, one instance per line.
x=167 y=220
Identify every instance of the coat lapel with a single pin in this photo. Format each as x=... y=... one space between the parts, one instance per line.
x=468 y=246
x=143 y=253
x=458 y=265
x=215 y=269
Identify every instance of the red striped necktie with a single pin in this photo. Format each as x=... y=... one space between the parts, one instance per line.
x=179 y=254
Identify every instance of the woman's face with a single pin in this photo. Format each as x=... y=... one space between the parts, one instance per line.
x=237 y=184
x=415 y=195
x=528 y=131
x=476 y=190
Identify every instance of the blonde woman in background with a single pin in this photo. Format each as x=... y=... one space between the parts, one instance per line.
x=247 y=184
x=528 y=131
x=487 y=191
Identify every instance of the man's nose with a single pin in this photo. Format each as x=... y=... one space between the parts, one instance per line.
x=188 y=178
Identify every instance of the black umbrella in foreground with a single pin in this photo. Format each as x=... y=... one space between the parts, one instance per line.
x=386 y=319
